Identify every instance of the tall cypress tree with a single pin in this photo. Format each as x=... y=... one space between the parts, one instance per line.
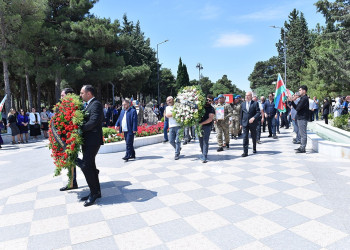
x=298 y=47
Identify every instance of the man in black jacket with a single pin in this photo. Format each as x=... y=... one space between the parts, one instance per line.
x=250 y=114
x=302 y=116
x=93 y=139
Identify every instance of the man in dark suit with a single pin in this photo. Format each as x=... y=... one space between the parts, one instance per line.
x=250 y=115
x=93 y=139
x=127 y=123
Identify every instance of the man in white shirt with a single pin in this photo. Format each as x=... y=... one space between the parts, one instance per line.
x=174 y=127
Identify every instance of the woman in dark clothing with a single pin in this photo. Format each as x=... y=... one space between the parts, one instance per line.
x=23 y=124
x=12 y=123
x=325 y=110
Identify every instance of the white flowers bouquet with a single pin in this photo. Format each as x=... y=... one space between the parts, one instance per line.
x=189 y=107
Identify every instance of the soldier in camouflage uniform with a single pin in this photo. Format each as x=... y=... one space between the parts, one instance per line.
x=235 y=121
x=223 y=125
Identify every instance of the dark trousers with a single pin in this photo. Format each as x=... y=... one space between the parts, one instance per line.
x=278 y=122
x=325 y=117
x=75 y=177
x=271 y=125
x=88 y=166
x=258 y=130
x=246 y=129
x=263 y=125
x=284 y=120
x=166 y=126
x=129 y=140
x=204 y=140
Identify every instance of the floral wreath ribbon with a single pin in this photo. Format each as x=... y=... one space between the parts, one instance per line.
x=56 y=136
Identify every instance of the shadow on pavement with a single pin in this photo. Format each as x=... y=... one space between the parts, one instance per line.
x=269 y=152
x=114 y=192
x=151 y=157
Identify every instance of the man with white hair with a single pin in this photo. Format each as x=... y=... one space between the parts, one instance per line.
x=250 y=114
x=174 y=127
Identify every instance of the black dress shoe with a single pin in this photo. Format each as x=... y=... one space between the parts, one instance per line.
x=254 y=151
x=300 y=150
x=91 y=200
x=132 y=157
x=125 y=158
x=85 y=198
x=220 y=149
x=270 y=136
x=66 y=188
x=244 y=155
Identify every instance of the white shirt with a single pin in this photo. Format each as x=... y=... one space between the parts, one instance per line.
x=172 y=121
x=247 y=105
x=124 y=123
x=32 y=118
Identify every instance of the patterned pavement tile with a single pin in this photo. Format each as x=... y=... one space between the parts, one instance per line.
x=274 y=199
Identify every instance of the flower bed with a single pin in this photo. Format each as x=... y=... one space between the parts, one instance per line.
x=111 y=134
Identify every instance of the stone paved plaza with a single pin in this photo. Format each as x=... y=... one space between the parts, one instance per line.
x=275 y=199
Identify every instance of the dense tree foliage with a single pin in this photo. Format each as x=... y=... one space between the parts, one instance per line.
x=319 y=58
x=225 y=86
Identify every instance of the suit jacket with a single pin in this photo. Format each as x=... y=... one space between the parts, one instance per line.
x=254 y=111
x=92 y=126
x=131 y=120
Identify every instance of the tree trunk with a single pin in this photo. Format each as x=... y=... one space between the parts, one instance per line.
x=4 y=62
x=38 y=86
x=99 y=92
x=23 y=96
x=29 y=91
x=57 y=86
x=7 y=86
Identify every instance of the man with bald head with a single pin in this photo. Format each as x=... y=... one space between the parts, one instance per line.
x=250 y=115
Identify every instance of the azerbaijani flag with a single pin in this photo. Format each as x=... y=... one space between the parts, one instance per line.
x=280 y=95
x=2 y=103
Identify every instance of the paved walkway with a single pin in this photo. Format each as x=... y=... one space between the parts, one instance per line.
x=272 y=200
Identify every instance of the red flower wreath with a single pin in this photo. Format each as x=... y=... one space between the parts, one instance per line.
x=64 y=133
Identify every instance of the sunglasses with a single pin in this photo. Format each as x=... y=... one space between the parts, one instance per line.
x=209 y=100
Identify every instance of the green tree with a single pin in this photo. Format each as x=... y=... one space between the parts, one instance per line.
x=206 y=85
x=182 y=78
x=298 y=47
x=167 y=83
x=264 y=73
x=219 y=88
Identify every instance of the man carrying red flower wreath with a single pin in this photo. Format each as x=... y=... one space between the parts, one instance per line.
x=93 y=139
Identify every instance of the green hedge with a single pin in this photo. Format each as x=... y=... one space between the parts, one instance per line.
x=342 y=122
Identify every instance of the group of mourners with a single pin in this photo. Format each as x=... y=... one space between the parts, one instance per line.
x=20 y=123
x=244 y=116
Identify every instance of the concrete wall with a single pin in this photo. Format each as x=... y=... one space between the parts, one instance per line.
x=138 y=142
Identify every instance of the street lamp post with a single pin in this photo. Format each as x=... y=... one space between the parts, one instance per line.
x=284 y=51
x=199 y=66
x=158 y=70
